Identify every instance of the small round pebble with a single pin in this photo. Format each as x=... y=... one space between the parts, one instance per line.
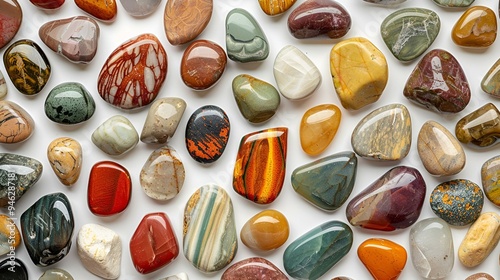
x=56 y=274
x=480 y=276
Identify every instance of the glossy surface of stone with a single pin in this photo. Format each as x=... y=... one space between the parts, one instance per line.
x=260 y=167
x=458 y=202
x=393 y=201
x=69 y=103
x=491 y=81
x=11 y=16
x=16 y=125
x=202 y=64
x=3 y=86
x=453 y=3
x=275 y=7
x=65 y=157
x=291 y=62
x=104 y=10
x=18 y=172
x=369 y=138
x=140 y=8
x=109 y=189
x=48 y=4
x=162 y=120
x=56 y=274
x=385 y=2
x=115 y=136
x=184 y=20
x=409 y=32
x=265 y=231
x=327 y=182
x=10 y=237
x=476 y=28
x=134 y=72
x=318 y=127
x=490 y=177
x=383 y=258
x=315 y=252
x=13 y=269
x=480 y=276
x=481 y=128
x=209 y=231
x=254 y=268
x=178 y=276
x=47 y=227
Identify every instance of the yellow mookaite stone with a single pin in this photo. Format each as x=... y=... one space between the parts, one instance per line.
x=318 y=128
x=265 y=231
x=359 y=71
x=9 y=235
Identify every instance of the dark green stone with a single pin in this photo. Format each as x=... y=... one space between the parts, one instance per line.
x=17 y=175
x=454 y=3
x=13 y=270
x=69 y=103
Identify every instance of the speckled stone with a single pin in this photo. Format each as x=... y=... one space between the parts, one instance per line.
x=490 y=82
x=18 y=174
x=453 y=3
x=56 y=274
x=140 y=8
x=11 y=15
x=65 y=157
x=480 y=276
x=162 y=120
x=69 y=103
x=115 y=136
x=10 y=237
x=480 y=128
x=13 y=269
x=3 y=86
x=275 y=7
x=490 y=177
x=16 y=125
x=255 y=268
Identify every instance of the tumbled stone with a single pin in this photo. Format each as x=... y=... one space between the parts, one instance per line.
x=480 y=276
x=11 y=16
x=10 y=237
x=318 y=128
x=327 y=182
x=480 y=128
x=13 y=269
x=56 y=274
x=291 y=62
x=162 y=176
x=440 y=152
x=69 y=103
x=162 y=120
x=369 y=138
x=104 y=10
x=184 y=20
x=331 y=242
x=209 y=232
x=16 y=125
x=257 y=100
x=202 y=64
x=17 y=174
x=260 y=167
x=438 y=83
x=385 y=2
x=453 y=3
x=490 y=177
x=115 y=136
x=153 y=244
x=254 y=268
x=178 y=276
x=409 y=32
x=480 y=240
x=476 y=28
x=74 y=38
x=27 y=66
x=65 y=157
x=47 y=227
x=100 y=250
x=265 y=231
x=275 y=7
x=393 y=201
x=344 y=277
x=140 y=8
x=3 y=86
x=48 y=4
x=458 y=202
x=490 y=82
x=383 y=258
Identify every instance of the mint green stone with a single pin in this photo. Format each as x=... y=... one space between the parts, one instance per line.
x=454 y=3
x=69 y=103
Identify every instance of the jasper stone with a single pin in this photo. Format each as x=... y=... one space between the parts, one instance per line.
x=48 y=4
x=209 y=231
x=13 y=269
x=454 y=3
x=438 y=83
x=480 y=276
x=10 y=237
x=153 y=244
x=16 y=125
x=260 y=167
x=291 y=62
x=458 y=202
x=74 y=38
x=162 y=120
x=480 y=128
x=202 y=64
x=369 y=137
x=140 y=8
x=115 y=136
x=327 y=182
x=65 y=157
x=409 y=32
x=27 y=66
x=383 y=258
x=47 y=228
x=56 y=274
x=393 y=201
x=257 y=100
x=184 y=20
x=17 y=175
x=439 y=151
x=275 y=7
x=480 y=240
x=69 y=103
x=476 y=28
x=3 y=86
x=385 y=2
x=265 y=231
x=489 y=84
x=254 y=268
x=359 y=72
x=11 y=16
x=134 y=72
x=162 y=176
x=109 y=189
x=490 y=177
x=104 y=10
x=315 y=252
x=318 y=128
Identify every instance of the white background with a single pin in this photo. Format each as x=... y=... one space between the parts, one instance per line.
x=301 y=215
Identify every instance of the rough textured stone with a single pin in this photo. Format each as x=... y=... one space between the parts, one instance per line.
x=184 y=20
x=55 y=274
x=69 y=103
x=16 y=125
x=162 y=120
x=115 y=136
x=65 y=157
x=202 y=64
x=140 y=8
x=480 y=128
x=476 y=28
x=13 y=269
x=453 y=3
x=255 y=268
x=490 y=177
x=10 y=237
x=11 y=16
x=383 y=258
x=17 y=174
x=491 y=81
x=275 y=7
x=318 y=127
x=265 y=231
x=48 y=4
x=104 y=10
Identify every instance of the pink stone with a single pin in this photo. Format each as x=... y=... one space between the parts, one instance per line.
x=254 y=269
x=11 y=16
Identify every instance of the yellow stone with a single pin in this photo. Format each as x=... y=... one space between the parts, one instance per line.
x=318 y=128
x=265 y=231
x=275 y=7
x=9 y=235
x=65 y=158
x=481 y=238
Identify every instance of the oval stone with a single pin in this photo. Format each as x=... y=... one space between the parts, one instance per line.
x=3 y=86
x=383 y=258
x=490 y=177
x=162 y=120
x=13 y=269
x=17 y=171
x=453 y=3
x=480 y=128
x=65 y=157
x=115 y=136
x=12 y=16
x=69 y=103
x=491 y=81
x=48 y=4
x=275 y=7
x=476 y=28
x=265 y=231
x=318 y=128
x=202 y=64
x=184 y=20
x=480 y=276
x=140 y=8
x=255 y=268
x=56 y=274
x=16 y=125
x=10 y=237
x=102 y=10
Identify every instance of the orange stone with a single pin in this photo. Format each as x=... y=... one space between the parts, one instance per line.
x=383 y=258
x=104 y=10
x=318 y=128
x=266 y=231
x=476 y=28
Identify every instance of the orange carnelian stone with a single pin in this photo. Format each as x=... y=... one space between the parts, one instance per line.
x=383 y=258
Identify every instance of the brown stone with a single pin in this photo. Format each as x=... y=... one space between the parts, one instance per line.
x=16 y=125
x=104 y=10
x=202 y=65
x=184 y=20
x=476 y=28
x=275 y=7
x=480 y=276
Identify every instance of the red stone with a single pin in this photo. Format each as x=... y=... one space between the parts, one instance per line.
x=109 y=188
x=11 y=16
x=154 y=243
x=48 y=4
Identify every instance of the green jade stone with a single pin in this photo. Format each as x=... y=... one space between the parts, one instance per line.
x=453 y=3
x=69 y=103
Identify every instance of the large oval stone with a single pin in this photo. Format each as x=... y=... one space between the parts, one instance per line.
x=12 y=16
x=476 y=28
x=184 y=20
x=265 y=231
x=48 y=4
x=202 y=64
x=393 y=201
x=318 y=127
x=102 y=10
x=480 y=128
x=490 y=177
x=10 y=237
x=453 y=3
x=275 y=7
x=383 y=258
x=254 y=268
x=162 y=120
x=3 y=86
x=491 y=80
x=315 y=252
x=140 y=8
x=56 y=274
x=69 y=103
x=65 y=157
x=13 y=269
x=16 y=125
x=115 y=136
x=210 y=240
x=17 y=175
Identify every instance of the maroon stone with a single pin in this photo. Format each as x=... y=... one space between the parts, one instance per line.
x=253 y=269
x=48 y=4
x=11 y=16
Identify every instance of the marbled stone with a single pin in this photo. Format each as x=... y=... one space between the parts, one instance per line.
x=134 y=72
x=17 y=175
x=104 y=10
x=209 y=231
x=184 y=20
x=162 y=176
x=27 y=66
x=56 y=274
x=480 y=276
x=490 y=82
x=490 y=178
x=47 y=227
x=359 y=72
x=178 y=276
x=327 y=182
x=74 y=38
x=140 y=8
x=431 y=248
x=202 y=64
x=291 y=62
x=369 y=138
x=383 y=258
x=440 y=152
x=453 y=3
x=115 y=136
x=458 y=202
x=65 y=157
x=438 y=83
x=16 y=125
x=260 y=167
x=409 y=32
x=257 y=100
x=254 y=268
x=13 y=269
x=476 y=28
x=275 y=7
x=393 y=201
x=48 y=4
x=3 y=86
x=10 y=237
x=265 y=231
x=385 y=2
x=162 y=120
x=69 y=103
x=11 y=16
x=315 y=252
x=153 y=244
x=480 y=128
x=318 y=127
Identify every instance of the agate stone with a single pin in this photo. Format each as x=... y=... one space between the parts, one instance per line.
x=11 y=16
x=162 y=120
x=16 y=125
x=140 y=8
x=454 y=3
x=56 y=274
x=69 y=103
x=476 y=28
x=202 y=64
x=254 y=268
x=13 y=269
x=184 y=20
x=65 y=157
x=10 y=237
x=318 y=127
x=17 y=175
x=383 y=258
x=491 y=81
x=104 y=10
x=275 y=7
x=490 y=177
x=265 y=231
x=115 y=136
x=481 y=128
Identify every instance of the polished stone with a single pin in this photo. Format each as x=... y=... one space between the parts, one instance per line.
x=480 y=276
x=315 y=252
x=162 y=120
x=178 y=276
x=69 y=103
x=104 y=10
x=11 y=16
x=260 y=167
x=491 y=80
x=254 y=268
x=476 y=28
x=3 y=86
x=359 y=72
x=383 y=258
x=453 y=3
x=265 y=231
x=318 y=127
x=481 y=127
x=326 y=182
x=10 y=237
x=202 y=64
x=56 y=274
x=344 y=277
x=480 y=240
x=65 y=157
x=393 y=201
x=16 y=125
x=385 y=2
x=13 y=269
x=275 y=7
x=140 y=8
x=18 y=174
x=115 y=136
x=48 y=4
x=184 y=20
x=490 y=177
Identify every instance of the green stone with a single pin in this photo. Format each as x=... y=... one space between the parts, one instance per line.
x=409 y=32
x=491 y=81
x=56 y=274
x=453 y=3
x=69 y=103
x=17 y=175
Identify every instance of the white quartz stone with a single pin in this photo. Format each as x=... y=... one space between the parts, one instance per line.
x=3 y=86
x=115 y=136
x=179 y=276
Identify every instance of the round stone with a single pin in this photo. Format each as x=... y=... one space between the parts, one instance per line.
x=69 y=103
x=318 y=128
x=265 y=231
x=202 y=64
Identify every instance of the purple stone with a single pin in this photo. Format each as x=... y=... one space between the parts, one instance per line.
x=254 y=269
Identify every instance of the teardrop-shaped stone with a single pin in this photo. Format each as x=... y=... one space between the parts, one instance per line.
x=481 y=127
x=56 y=274
x=327 y=182
x=47 y=228
x=184 y=20
x=162 y=120
x=17 y=175
x=393 y=201
x=13 y=269
x=265 y=231
x=69 y=103
x=65 y=157
x=383 y=258
x=490 y=82
x=202 y=64
x=385 y=2
x=115 y=136
x=10 y=237
x=490 y=177
x=476 y=28
x=141 y=8
x=104 y=10
x=253 y=269
x=48 y=4
x=453 y=3
x=369 y=138
x=275 y=7
x=210 y=239
x=315 y=252
x=74 y=38
x=3 y=86
x=16 y=125
x=318 y=128
x=12 y=16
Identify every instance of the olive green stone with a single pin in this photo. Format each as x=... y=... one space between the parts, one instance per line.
x=69 y=103
x=491 y=81
x=56 y=274
x=490 y=178
x=454 y=3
